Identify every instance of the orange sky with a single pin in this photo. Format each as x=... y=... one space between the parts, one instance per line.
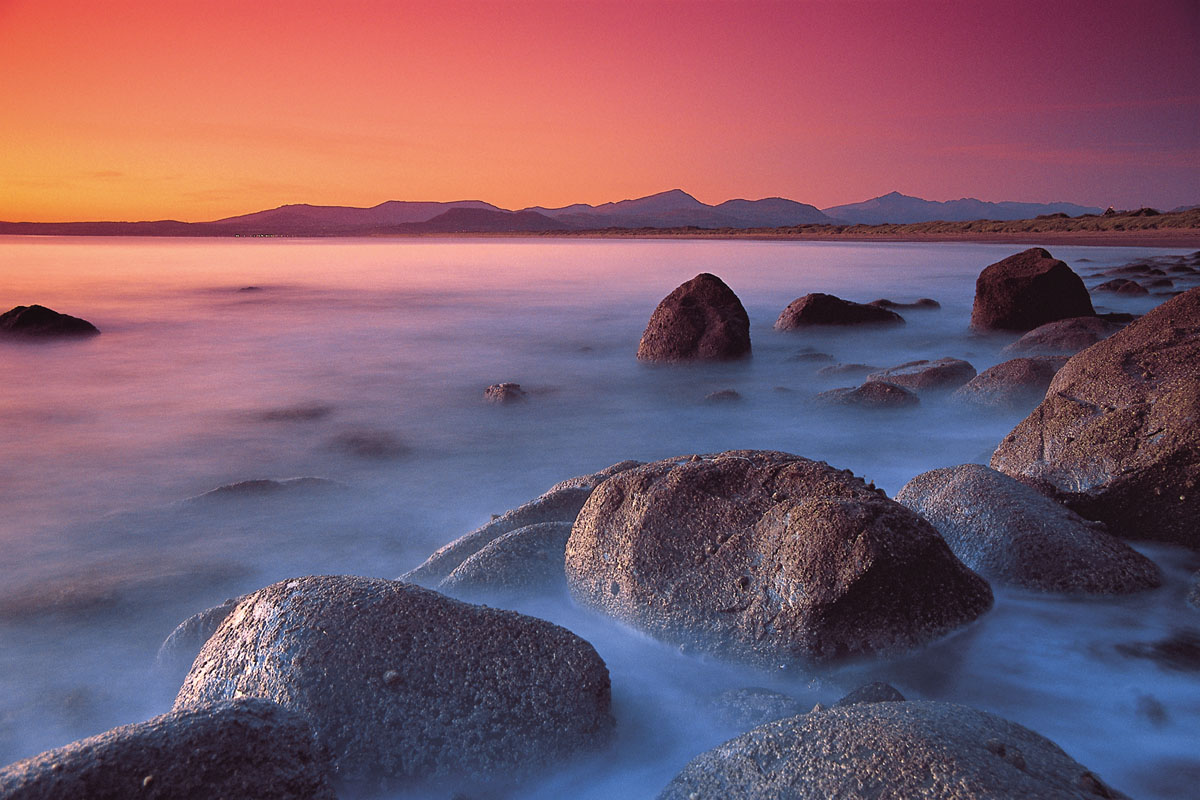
x=149 y=109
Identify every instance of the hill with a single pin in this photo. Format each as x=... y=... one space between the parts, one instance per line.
x=896 y=208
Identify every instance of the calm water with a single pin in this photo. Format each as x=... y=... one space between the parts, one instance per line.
x=365 y=362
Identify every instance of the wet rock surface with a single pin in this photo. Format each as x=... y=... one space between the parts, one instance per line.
x=1118 y=435
x=871 y=394
x=39 y=322
x=1026 y=290
x=768 y=558
x=1011 y=534
x=503 y=394
x=938 y=751
x=1017 y=384
x=825 y=309
x=518 y=564
x=701 y=319
x=404 y=685
x=944 y=374
x=179 y=650
x=1064 y=337
x=246 y=748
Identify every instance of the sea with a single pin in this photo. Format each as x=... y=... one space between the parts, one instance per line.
x=364 y=362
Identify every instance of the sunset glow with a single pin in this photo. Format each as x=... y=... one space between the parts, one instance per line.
x=143 y=109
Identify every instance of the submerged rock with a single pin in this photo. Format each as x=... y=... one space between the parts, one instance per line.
x=864 y=751
x=1179 y=651
x=1122 y=286
x=1118 y=435
x=876 y=692
x=1027 y=290
x=260 y=488
x=248 y=747
x=701 y=319
x=768 y=558
x=505 y=394
x=1064 y=337
x=723 y=396
x=520 y=563
x=825 y=309
x=39 y=322
x=924 y=304
x=402 y=684
x=834 y=370
x=872 y=394
x=752 y=706
x=1011 y=534
x=928 y=376
x=1019 y=383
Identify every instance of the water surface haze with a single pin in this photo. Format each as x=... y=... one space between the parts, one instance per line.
x=364 y=362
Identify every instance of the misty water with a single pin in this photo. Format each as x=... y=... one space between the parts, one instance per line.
x=365 y=362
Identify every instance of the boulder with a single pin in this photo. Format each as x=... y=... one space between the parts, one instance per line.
x=701 y=320
x=1017 y=384
x=723 y=397
x=503 y=394
x=39 y=322
x=1122 y=286
x=1064 y=337
x=876 y=692
x=924 y=304
x=872 y=394
x=942 y=375
x=767 y=558
x=1027 y=290
x=179 y=650
x=835 y=370
x=825 y=309
x=560 y=503
x=1118 y=435
x=247 y=747
x=1011 y=534
x=865 y=751
x=524 y=562
x=403 y=685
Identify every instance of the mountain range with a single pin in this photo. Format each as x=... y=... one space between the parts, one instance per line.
x=672 y=209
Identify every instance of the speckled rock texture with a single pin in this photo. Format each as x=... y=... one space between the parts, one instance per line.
x=504 y=394
x=701 y=319
x=768 y=558
x=245 y=748
x=1118 y=435
x=825 y=309
x=559 y=503
x=179 y=649
x=39 y=322
x=1011 y=534
x=1027 y=290
x=519 y=564
x=876 y=692
x=1018 y=384
x=942 y=375
x=871 y=394
x=1064 y=337
x=888 y=751
x=402 y=684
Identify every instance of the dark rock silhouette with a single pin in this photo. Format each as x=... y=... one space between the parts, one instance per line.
x=505 y=394
x=928 y=376
x=924 y=304
x=768 y=558
x=248 y=747
x=1019 y=383
x=1122 y=286
x=701 y=319
x=872 y=394
x=825 y=309
x=722 y=397
x=1027 y=290
x=39 y=322
x=1064 y=337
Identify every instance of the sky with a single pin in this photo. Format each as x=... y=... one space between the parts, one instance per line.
x=164 y=109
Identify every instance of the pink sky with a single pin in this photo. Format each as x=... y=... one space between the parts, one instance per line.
x=143 y=109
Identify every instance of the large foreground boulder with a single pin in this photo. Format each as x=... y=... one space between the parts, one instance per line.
x=1118 y=434
x=402 y=684
x=1011 y=534
x=1027 y=290
x=39 y=322
x=1019 y=383
x=247 y=747
x=888 y=751
x=825 y=309
x=1064 y=337
x=701 y=320
x=768 y=558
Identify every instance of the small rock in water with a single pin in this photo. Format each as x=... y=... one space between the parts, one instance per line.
x=872 y=394
x=1122 y=286
x=928 y=376
x=1179 y=651
x=39 y=322
x=377 y=445
x=722 y=396
x=924 y=304
x=826 y=309
x=309 y=413
x=834 y=370
x=504 y=394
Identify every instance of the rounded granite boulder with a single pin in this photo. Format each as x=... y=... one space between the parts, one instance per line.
x=942 y=375
x=1064 y=337
x=1011 y=534
x=825 y=309
x=1026 y=290
x=403 y=685
x=1016 y=384
x=767 y=558
x=871 y=394
x=701 y=319
x=524 y=562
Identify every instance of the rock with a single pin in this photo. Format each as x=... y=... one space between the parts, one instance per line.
x=723 y=396
x=751 y=706
x=924 y=304
x=39 y=322
x=247 y=747
x=834 y=370
x=877 y=692
x=524 y=562
x=1122 y=286
x=1027 y=290
x=928 y=376
x=179 y=650
x=925 y=749
x=811 y=358
x=1193 y=596
x=872 y=394
x=825 y=309
x=370 y=444
x=1064 y=337
x=1117 y=436
x=403 y=685
x=1140 y=269
x=504 y=394
x=266 y=487
x=560 y=503
x=1179 y=651
x=1017 y=384
x=1159 y=283
x=767 y=558
x=1011 y=534
x=701 y=319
